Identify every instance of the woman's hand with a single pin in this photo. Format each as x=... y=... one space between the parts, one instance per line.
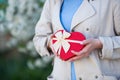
x=90 y=45
x=51 y=47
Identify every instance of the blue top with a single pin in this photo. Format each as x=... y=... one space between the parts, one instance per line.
x=68 y=9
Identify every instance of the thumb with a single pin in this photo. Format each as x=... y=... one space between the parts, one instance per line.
x=84 y=42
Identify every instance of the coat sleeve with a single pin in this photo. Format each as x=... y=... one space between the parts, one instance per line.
x=111 y=45
x=43 y=30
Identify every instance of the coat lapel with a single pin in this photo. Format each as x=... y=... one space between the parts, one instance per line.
x=84 y=12
x=56 y=15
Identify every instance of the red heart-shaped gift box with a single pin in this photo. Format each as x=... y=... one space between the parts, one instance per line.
x=71 y=41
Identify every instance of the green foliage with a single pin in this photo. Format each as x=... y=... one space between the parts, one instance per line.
x=40 y=3
x=3 y=4
x=17 y=69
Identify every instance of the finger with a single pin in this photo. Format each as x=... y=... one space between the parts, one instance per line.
x=76 y=53
x=87 y=41
x=54 y=51
x=86 y=49
x=76 y=58
x=86 y=55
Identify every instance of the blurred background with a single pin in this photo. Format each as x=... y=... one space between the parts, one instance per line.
x=18 y=57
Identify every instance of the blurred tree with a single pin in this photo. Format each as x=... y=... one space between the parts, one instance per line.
x=18 y=57
x=3 y=5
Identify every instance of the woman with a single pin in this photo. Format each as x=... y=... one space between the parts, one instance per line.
x=99 y=21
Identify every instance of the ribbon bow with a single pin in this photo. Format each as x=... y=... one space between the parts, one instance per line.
x=61 y=41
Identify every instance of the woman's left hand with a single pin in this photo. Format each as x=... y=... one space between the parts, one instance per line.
x=90 y=45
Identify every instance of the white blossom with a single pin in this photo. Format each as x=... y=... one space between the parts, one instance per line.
x=30 y=65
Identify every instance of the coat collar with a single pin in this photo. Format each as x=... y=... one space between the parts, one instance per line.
x=84 y=12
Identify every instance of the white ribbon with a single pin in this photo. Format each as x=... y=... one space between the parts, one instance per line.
x=61 y=41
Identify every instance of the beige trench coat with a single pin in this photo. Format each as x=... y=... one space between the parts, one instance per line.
x=95 y=19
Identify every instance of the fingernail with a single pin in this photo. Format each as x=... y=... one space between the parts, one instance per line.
x=70 y=60
x=81 y=43
x=80 y=53
x=72 y=51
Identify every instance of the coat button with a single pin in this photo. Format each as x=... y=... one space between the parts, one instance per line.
x=96 y=77
x=87 y=29
x=80 y=78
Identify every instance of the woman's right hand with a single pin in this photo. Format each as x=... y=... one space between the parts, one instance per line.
x=50 y=45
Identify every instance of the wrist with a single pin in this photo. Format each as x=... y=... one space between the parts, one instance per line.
x=49 y=42
x=99 y=44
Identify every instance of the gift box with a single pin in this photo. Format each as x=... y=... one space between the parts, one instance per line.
x=63 y=42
